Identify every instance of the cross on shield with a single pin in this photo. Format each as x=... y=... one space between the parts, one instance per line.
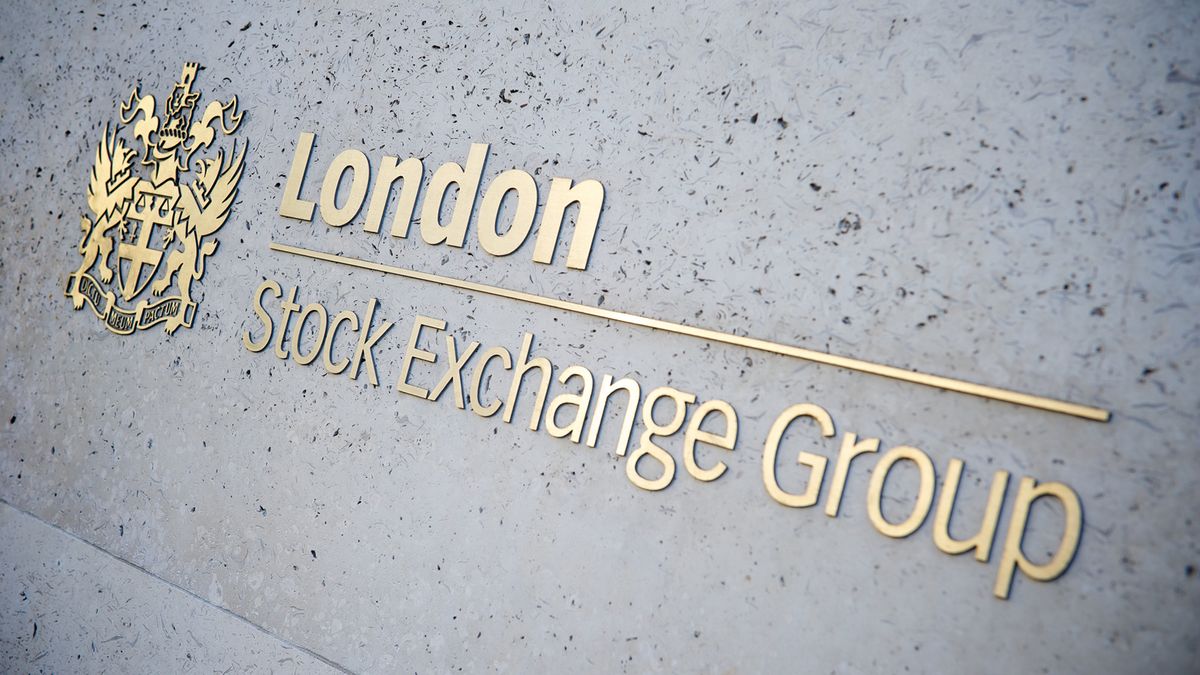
x=151 y=207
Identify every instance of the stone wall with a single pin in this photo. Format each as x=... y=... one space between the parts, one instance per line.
x=1004 y=193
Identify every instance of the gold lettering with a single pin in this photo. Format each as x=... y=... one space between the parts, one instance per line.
x=467 y=180
x=815 y=462
x=725 y=440
x=580 y=401
x=414 y=352
x=527 y=194
x=289 y=306
x=607 y=389
x=982 y=541
x=410 y=171
x=647 y=446
x=1013 y=557
x=453 y=372
x=342 y=317
x=924 y=492
x=319 y=310
x=268 y=326
x=851 y=448
x=523 y=365
x=589 y=194
x=292 y=205
x=477 y=381
x=359 y=167
x=367 y=340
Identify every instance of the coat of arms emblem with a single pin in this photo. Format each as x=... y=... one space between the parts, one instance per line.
x=155 y=205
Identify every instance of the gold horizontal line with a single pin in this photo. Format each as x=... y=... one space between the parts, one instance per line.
x=938 y=381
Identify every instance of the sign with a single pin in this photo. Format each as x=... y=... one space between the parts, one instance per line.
x=151 y=232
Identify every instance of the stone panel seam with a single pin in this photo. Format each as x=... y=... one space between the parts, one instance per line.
x=326 y=660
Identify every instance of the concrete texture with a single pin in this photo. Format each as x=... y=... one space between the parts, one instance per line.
x=68 y=607
x=1002 y=192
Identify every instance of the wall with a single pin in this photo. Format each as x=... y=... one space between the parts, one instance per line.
x=1003 y=193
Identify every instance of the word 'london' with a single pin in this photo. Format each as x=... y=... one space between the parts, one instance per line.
x=712 y=423
x=564 y=192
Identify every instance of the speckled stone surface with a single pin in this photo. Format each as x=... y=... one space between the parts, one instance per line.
x=66 y=607
x=1003 y=192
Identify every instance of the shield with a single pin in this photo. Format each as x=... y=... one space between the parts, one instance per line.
x=141 y=249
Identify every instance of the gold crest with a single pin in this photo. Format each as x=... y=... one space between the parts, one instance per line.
x=148 y=232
